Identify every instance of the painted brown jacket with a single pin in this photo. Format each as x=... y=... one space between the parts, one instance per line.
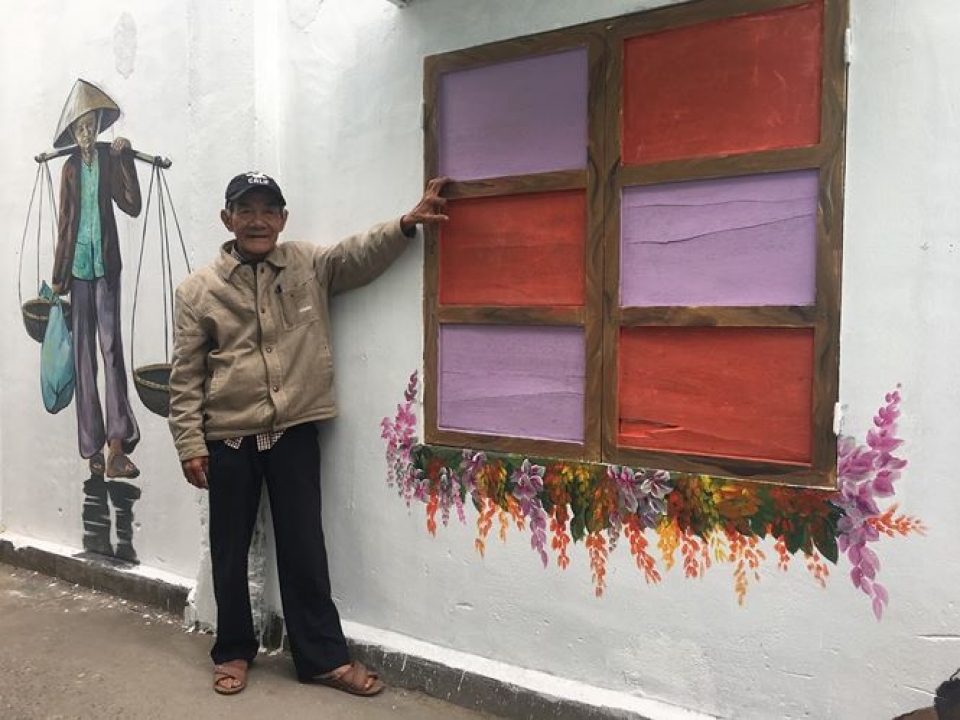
x=118 y=184
x=252 y=342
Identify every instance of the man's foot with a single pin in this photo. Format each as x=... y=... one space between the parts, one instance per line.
x=353 y=678
x=120 y=466
x=230 y=677
x=97 y=465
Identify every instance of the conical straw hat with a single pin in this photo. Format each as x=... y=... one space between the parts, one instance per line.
x=83 y=98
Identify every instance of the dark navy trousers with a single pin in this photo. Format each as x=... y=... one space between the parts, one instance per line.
x=291 y=469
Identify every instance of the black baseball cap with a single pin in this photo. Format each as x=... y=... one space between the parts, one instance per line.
x=245 y=182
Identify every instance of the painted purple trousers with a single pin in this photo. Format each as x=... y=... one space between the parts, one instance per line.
x=96 y=312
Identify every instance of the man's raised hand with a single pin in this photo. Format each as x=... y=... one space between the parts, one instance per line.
x=430 y=209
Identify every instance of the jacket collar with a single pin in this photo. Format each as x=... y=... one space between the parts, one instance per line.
x=227 y=263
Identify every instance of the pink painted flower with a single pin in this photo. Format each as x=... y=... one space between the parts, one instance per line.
x=654 y=487
x=641 y=492
x=866 y=473
x=400 y=434
x=527 y=486
x=628 y=488
x=411 y=392
x=471 y=464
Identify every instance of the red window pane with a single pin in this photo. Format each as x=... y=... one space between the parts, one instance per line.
x=514 y=250
x=720 y=88
x=725 y=392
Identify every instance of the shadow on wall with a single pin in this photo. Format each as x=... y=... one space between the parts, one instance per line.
x=99 y=495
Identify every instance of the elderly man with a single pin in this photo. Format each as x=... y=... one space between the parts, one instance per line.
x=87 y=264
x=252 y=374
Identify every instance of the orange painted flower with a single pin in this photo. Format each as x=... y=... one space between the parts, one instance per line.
x=737 y=501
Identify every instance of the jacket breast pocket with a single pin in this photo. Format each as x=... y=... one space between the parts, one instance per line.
x=299 y=304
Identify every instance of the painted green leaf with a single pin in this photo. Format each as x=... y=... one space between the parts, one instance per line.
x=758 y=524
x=578 y=528
x=795 y=539
x=826 y=543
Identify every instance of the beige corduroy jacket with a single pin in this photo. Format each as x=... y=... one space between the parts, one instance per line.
x=252 y=342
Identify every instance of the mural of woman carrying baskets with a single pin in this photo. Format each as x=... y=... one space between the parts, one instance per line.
x=87 y=265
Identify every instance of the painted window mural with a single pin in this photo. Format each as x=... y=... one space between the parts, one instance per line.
x=76 y=316
x=659 y=195
x=632 y=318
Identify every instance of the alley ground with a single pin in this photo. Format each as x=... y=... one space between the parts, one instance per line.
x=69 y=652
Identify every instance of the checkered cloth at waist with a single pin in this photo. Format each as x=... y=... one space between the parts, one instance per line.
x=265 y=441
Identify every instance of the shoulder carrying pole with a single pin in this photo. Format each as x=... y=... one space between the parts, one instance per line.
x=143 y=157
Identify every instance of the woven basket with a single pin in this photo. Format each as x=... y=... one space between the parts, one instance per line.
x=36 y=312
x=153 y=386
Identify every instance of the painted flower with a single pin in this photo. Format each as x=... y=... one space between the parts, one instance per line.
x=737 y=501
x=411 y=392
x=655 y=485
x=628 y=488
x=527 y=486
x=471 y=463
x=864 y=474
x=597 y=503
x=854 y=462
x=528 y=482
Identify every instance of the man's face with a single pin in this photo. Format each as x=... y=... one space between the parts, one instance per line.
x=85 y=130
x=256 y=221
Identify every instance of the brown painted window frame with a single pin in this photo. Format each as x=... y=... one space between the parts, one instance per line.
x=603 y=180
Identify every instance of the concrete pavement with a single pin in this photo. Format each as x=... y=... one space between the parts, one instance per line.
x=70 y=652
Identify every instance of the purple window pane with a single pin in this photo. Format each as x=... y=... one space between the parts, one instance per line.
x=733 y=241
x=516 y=117
x=510 y=380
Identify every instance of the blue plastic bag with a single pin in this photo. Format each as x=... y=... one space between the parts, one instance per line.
x=57 y=377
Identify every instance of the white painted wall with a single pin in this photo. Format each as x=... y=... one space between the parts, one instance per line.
x=332 y=107
x=46 y=47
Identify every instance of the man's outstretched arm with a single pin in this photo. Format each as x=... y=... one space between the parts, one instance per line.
x=360 y=258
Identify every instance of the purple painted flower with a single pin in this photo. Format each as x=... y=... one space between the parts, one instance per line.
x=654 y=487
x=400 y=434
x=866 y=473
x=411 y=392
x=853 y=462
x=528 y=479
x=656 y=483
x=882 y=441
x=406 y=420
x=471 y=464
x=880 y=599
x=527 y=486
x=628 y=488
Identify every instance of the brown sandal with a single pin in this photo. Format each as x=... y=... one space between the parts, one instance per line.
x=230 y=669
x=356 y=680
x=98 y=465
x=120 y=466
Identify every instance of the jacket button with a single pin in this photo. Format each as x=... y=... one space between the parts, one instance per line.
x=276 y=388
x=269 y=349
x=263 y=310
